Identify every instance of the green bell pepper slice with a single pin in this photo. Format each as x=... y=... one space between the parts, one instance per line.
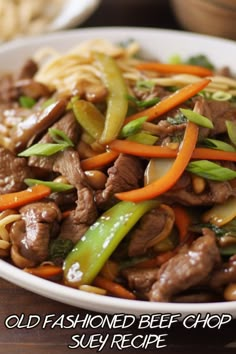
x=89 y=117
x=91 y=252
x=117 y=103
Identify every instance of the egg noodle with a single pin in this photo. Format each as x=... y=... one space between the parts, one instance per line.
x=23 y=17
x=65 y=72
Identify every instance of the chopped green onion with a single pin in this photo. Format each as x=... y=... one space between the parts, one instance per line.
x=175 y=59
x=218 y=145
x=59 y=249
x=231 y=129
x=211 y=170
x=71 y=102
x=145 y=84
x=43 y=150
x=27 y=102
x=177 y=119
x=200 y=60
x=54 y=186
x=144 y=103
x=132 y=127
x=143 y=138
x=60 y=137
x=197 y=118
x=48 y=102
x=221 y=96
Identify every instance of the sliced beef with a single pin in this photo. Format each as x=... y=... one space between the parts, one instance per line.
x=187 y=269
x=218 y=112
x=183 y=193
x=13 y=171
x=31 y=235
x=141 y=280
x=8 y=92
x=70 y=127
x=35 y=124
x=28 y=70
x=31 y=88
x=85 y=213
x=124 y=175
x=226 y=274
x=152 y=228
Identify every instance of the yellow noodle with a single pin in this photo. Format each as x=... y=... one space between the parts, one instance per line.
x=4 y=235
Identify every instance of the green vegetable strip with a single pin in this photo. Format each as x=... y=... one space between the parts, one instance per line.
x=211 y=170
x=26 y=102
x=218 y=145
x=117 y=104
x=89 y=117
x=143 y=138
x=132 y=127
x=88 y=256
x=43 y=150
x=197 y=118
x=60 y=137
x=54 y=186
x=231 y=129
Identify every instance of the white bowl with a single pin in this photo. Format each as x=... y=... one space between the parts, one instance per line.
x=73 y=13
x=155 y=43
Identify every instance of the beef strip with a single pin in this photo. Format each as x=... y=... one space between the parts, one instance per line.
x=226 y=274
x=70 y=127
x=151 y=226
x=28 y=70
x=141 y=280
x=214 y=192
x=186 y=269
x=124 y=175
x=85 y=213
x=35 y=124
x=13 y=171
x=218 y=112
x=31 y=234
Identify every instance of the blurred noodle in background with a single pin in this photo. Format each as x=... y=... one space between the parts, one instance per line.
x=26 y=17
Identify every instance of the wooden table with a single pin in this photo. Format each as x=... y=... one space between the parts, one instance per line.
x=19 y=302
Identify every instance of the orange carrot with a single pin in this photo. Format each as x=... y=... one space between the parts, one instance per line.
x=47 y=271
x=113 y=288
x=29 y=195
x=156 y=261
x=65 y=214
x=171 y=101
x=164 y=183
x=99 y=160
x=138 y=149
x=211 y=154
x=182 y=221
x=175 y=68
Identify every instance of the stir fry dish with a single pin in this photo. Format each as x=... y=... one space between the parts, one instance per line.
x=118 y=173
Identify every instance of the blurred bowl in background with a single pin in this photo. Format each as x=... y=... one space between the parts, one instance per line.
x=73 y=13
x=212 y=17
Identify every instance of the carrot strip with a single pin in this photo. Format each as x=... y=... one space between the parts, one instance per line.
x=17 y=199
x=99 y=160
x=182 y=221
x=138 y=149
x=211 y=154
x=113 y=288
x=171 y=101
x=175 y=68
x=47 y=271
x=65 y=214
x=164 y=183
x=156 y=261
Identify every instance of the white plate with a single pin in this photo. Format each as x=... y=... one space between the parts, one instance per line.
x=158 y=43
